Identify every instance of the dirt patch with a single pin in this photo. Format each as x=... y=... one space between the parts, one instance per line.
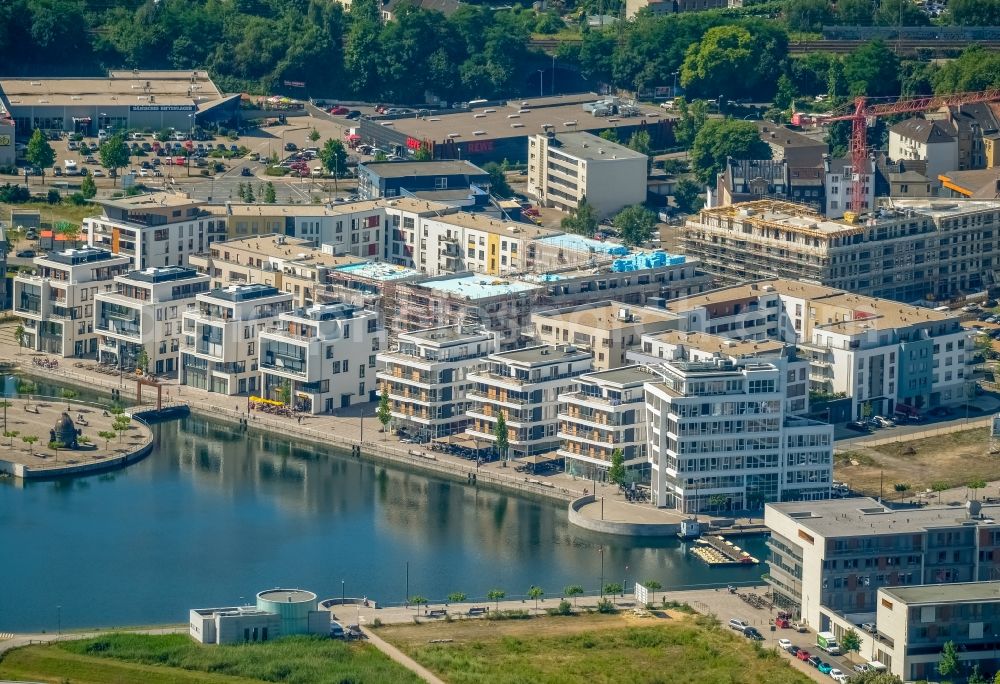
x=952 y=460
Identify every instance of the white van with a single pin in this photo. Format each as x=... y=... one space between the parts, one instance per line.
x=71 y=167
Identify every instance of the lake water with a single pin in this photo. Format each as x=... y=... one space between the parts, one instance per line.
x=215 y=514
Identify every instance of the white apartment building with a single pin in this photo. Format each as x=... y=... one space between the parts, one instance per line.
x=838 y=182
x=607 y=412
x=721 y=439
x=219 y=347
x=565 y=168
x=525 y=386
x=155 y=230
x=144 y=313
x=325 y=356
x=830 y=559
x=928 y=141
x=426 y=375
x=56 y=302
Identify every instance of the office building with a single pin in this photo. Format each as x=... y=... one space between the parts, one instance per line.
x=455 y=183
x=721 y=439
x=144 y=313
x=525 y=386
x=565 y=168
x=155 y=230
x=219 y=347
x=426 y=376
x=321 y=358
x=606 y=412
x=56 y=300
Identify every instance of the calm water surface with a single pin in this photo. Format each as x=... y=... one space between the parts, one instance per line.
x=213 y=515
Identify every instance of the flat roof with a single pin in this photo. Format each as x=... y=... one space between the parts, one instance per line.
x=161 y=274
x=119 y=88
x=751 y=290
x=945 y=593
x=580 y=243
x=782 y=136
x=420 y=206
x=287 y=595
x=407 y=169
x=605 y=315
x=448 y=333
x=870 y=313
x=865 y=517
x=277 y=246
x=490 y=224
x=498 y=123
x=943 y=208
x=718 y=344
x=242 y=293
x=625 y=376
x=541 y=354
x=583 y=145
x=85 y=255
x=787 y=215
x=151 y=200
x=378 y=270
x=479 y=286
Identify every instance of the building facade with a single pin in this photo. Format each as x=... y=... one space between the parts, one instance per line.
x=459 y=181
x=838 y=181
x=927 y=141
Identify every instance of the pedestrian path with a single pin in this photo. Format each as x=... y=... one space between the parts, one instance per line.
x=401 y=658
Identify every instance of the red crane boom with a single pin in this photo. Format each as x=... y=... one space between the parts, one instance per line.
x=863 y=111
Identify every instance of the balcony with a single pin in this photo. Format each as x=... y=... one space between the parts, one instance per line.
x=499 y=397
x=116 y=326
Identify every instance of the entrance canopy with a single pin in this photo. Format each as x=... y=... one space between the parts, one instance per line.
x=539 y=459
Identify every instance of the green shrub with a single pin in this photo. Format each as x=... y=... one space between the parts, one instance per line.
x=564 y=608
x=277 y=171
x=606 y=606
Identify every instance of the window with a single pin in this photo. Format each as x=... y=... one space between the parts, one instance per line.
x=250 y=349
x=441 y=182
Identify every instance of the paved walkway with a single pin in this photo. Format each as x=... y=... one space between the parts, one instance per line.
x=401 y=658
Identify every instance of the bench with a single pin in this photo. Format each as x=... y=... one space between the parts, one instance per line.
x=437 y=613
x=478 y=611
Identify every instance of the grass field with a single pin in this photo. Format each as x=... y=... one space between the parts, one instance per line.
x=176 y=659
x=54 y=212
x=951 y=459
x=590 y=648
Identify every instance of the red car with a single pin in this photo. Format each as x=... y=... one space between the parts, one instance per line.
x=178 y=161
x=782 y=623
x=531 y=212
x=339 y=111
x=803 y=655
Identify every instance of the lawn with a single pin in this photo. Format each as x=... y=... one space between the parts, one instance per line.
x=55 y=212
x=175 y=658
x=590 y=648
x=951 y=459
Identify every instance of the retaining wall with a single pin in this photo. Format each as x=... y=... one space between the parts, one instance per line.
x=624 y=529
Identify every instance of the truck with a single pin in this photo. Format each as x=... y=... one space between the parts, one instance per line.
x=825 y=641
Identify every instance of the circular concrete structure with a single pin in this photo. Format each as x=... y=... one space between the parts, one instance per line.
x=292 y=605
x=627 y=520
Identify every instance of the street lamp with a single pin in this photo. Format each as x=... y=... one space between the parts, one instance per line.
x=602 y=572
x=541 y=74
x=553 y=86
x=343 y=596
x=675 y=83
x=59 y=620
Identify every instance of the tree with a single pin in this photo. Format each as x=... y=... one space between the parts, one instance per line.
x=722 y=138
x=873 y=677
x=313 y=135
x=872 y=70
x=635 y=224
x=784 y=98
x=142 y=360
x=283 y=392
x=653 y=587
x=616 y=473
x=692 y=116
x=20 y=335
x=500 y=433
x=114 y=154
x=11 y=434
x=88 y=188
x=27 y=388
x=974 y=12
x=384 y=411
x=30 y=441
x=39 y=152
x=939 y=487
x=949 y=665
x=270 y=196
x=423 y=153
x=717 y=501
x=573 y=590
x=808 y=15
x=609 y=134
x=496 y=595
x=248 y=195
x=417 y=601
x=614 y=588
x=107 y=436
x=640 y=142
x=498 y=180
x=535 y=593
x=733 y=61
x=583 y=220
x=855 y=13
x=120 y=425
x=851 y=641
x=975 y=484
x=69 y=231
x=456 y=597
x=976 y=676
x=69 y=395
x=900 y=13
x=334 y=157
x=687 y=196
x=902 y=488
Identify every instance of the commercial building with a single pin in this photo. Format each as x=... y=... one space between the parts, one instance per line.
x=565 y=168
x=500 y=130
x=144 y=314
x=278 y=613
x=56 y=300
x=453 y=182
x=322 y=357
x=156 y=230
x=908 y=250
x=606 y=329
x=721 y=437
x=914 y=623
x=525 y=386
x=927 y=141
x=219 y=347
x=150 y=100
x=829 y=559
x=426 y=375
x=606 y=412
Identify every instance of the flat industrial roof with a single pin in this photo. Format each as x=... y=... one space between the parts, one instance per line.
x=406 y=169
x=124 y=88
x=378 y=270
x=541 y=354
x=945 y=593
x=605 y=315
x=307 y=210
x=479 y=286
x=489 y=224
x=583 y=145
x=865 y=517
x=500 y=122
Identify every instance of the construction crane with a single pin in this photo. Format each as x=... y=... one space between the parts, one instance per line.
x=865 y=112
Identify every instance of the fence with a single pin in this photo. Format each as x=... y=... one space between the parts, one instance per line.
x=924 y=434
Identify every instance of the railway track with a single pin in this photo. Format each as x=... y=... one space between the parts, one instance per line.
x=905 y=46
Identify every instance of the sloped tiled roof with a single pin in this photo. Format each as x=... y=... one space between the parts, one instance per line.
x=923 y=131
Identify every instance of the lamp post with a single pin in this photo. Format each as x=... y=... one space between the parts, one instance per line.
x=602 y=572
x=675 y=84
x=553 y=86
x=343 y=596
x=362 y=427
x=541 y=82
x=59 y=620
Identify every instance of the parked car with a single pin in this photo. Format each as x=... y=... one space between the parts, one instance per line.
x=859 y=426
x=793 y=650
x=784 y=644
x=289 y=147
x=97 y=173
x=838 y=675
x=337 y=630
x=245 y=171
x=803 y=655
x=339 y=111
x=812 y=660
x=752 y=634
x=861 y=667
x=353 y=114
x=824 y=667
x=738 y=624
x=882 y=421
x=26 y=253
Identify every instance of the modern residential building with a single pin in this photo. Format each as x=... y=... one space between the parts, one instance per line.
x=914 y=623
x=829 y=559
x=565 y=168
x=322 y=357
x=219 y=347
x=838 y=184
x=525 y=386
x=156 y=230
x=908 y=250
x=426 y=375
x=278 y=613
x=606 y=329
x=928 y=141
x=607 y=412
x=144 y=313
x=720 y=437
x=456 y=183
x=56 y=300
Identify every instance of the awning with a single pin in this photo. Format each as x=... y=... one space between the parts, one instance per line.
x=262 y=400
x=539 y=459
x=82 y=119
x=463 y=440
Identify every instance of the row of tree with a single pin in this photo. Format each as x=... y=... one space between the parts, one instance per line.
x=812 y=15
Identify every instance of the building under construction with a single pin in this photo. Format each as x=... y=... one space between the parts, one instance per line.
x=907 y=250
